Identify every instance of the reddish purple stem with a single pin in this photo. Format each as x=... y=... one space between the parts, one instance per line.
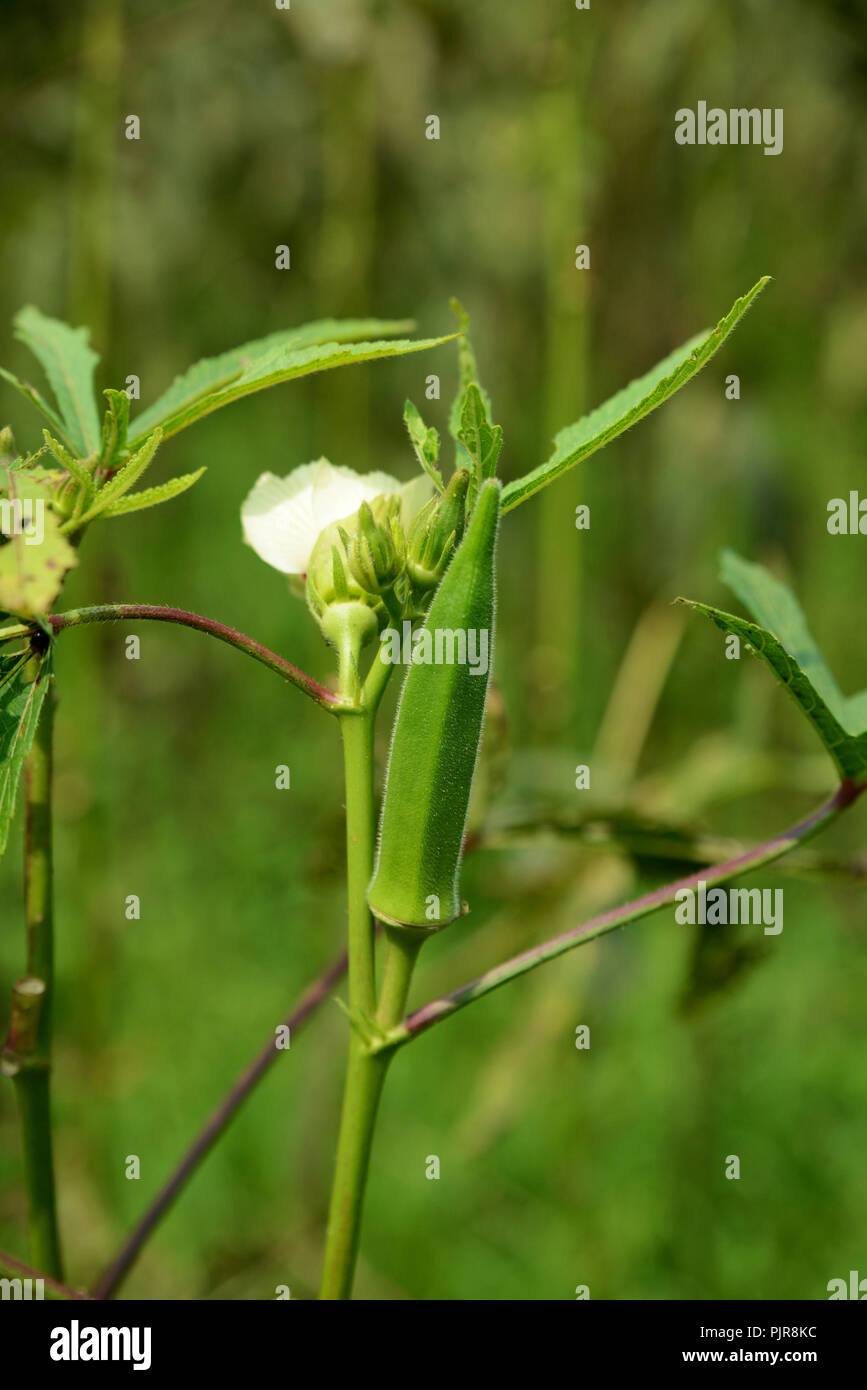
x=117 y=1271
x=131 y=612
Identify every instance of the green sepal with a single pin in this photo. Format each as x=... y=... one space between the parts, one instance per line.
x=436 y=531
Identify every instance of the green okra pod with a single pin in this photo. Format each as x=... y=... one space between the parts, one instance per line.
x=437 y=735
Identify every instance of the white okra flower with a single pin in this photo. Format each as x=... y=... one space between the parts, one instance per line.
x=284 y=517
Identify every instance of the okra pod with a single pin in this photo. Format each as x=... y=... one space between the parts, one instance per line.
x=437 y=735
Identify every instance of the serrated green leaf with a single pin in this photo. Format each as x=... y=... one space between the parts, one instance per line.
x=153 y=496
x=482 y=440
x=774 y=606
x=426 y=443
x=133 y=469
x=286 y=364
x=213 y=374
x=790 y=652
x=630 y=405
x=69 y=362
x=33 y=396
x=73 y=466
x=22 y=692
x=126 y=477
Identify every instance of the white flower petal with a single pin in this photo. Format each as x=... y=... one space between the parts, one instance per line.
x=339 y=492
x=278 y=519
x=284 y=517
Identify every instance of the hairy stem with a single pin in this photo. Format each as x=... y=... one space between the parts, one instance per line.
x=357 y=733
x=438 y=1009
x=207 y=1137
x=403 y=949
x=28 y=1056
x=365 y=1077
x=375 y=682
x=134 y=612
x=365 y=1074
x=666 y=844
x=363 y=1082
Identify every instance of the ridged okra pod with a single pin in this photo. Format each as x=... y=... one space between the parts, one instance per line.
x=437 y=735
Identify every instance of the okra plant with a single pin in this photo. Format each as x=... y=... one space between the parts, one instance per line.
x=395 y=575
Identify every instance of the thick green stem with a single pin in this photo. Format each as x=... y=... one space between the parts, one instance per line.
x=32 y=1074
x=357 y=733
x=403 y=949
x=365 y=1075
x=375 y=681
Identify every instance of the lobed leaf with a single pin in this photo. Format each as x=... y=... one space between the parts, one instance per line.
x=69 y=362
x=576 y=442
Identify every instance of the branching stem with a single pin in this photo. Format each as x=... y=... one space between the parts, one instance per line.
x=135 y=612
x=207 y=1137
x=448 y=1004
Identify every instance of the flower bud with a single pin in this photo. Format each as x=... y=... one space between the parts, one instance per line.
x=436 y=531
x=343 y=610
x=376 y=549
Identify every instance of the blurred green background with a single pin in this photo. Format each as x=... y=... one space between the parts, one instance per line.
x=307 y=127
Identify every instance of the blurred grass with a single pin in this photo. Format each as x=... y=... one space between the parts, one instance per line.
x=260 y=127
